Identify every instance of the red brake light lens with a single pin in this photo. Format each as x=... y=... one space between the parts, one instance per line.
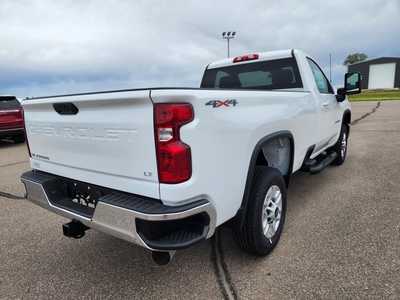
x=173 y=156
x=245 y=58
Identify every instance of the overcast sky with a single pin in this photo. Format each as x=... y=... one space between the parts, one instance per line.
x=49 y=47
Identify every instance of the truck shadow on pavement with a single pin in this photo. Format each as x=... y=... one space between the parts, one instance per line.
x=110 y=266
x=9 y=144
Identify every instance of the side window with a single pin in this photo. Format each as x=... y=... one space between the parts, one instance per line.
x=322 y=83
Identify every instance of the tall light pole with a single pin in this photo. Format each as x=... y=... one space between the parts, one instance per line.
x=330 y=67
x=228 y=36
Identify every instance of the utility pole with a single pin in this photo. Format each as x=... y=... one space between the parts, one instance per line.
x=330 y=67
x=228 y=36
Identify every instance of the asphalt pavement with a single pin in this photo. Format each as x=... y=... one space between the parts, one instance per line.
x=341 y=238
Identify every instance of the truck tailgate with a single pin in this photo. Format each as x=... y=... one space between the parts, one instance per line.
x=109 y=141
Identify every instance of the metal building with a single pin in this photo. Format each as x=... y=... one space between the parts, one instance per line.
x=378 y=73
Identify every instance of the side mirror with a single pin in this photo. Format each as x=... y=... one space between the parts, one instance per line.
x=352 y=85
x=341 y=95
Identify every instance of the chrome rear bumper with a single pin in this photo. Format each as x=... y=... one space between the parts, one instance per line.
x=120 y=214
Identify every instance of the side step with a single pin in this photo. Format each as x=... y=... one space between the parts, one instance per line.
x=316 y=165
x=323 y=163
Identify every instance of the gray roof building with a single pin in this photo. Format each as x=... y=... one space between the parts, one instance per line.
x=378 y=73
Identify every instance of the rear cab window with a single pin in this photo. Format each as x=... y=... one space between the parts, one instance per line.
x=263 y=75
x=9 y=102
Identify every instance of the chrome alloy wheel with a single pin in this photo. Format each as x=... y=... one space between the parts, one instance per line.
x=272 y=211
x=343 y=145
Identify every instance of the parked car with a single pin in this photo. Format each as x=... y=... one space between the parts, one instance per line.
x=11 y=119
x=164 y=167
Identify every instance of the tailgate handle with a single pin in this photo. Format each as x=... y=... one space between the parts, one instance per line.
x=66 y=108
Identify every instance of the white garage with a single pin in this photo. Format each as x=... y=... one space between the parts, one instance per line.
x=378 y=73
x=381 y=76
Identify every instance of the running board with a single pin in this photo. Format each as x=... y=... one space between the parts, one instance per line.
x=322 y=164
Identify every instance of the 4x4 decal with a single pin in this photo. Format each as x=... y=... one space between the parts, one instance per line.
x=222 y=103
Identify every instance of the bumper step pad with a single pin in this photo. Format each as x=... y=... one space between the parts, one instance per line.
x=180 y=239
x=146 y=205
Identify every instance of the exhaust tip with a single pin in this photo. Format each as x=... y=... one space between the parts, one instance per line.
x=74 y=229
x=162 y=258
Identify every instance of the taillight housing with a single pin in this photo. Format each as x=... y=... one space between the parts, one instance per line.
x=174 y=158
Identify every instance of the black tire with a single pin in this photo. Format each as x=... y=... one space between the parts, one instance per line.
x=250 y=235
x=19 y=139
x=338 y=147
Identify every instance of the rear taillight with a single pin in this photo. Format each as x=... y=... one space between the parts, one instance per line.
x=174 y=158
x=26 y=135
x=20 y=114
x=245 y=58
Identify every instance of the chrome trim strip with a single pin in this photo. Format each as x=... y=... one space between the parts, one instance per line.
x=12 y=129
x=114 y=220
x=5 y=111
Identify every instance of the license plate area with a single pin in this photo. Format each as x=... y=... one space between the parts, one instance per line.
x=75 y=196
x=83 y=194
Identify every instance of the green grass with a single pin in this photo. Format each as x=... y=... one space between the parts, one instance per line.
x=376 y=95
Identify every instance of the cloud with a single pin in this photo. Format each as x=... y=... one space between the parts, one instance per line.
x=70 y=46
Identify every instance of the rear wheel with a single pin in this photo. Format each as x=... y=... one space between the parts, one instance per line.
x=265 y=213
x=341 y=146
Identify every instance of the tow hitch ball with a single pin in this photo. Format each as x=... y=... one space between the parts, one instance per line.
x=74 y=229
x=162 y=258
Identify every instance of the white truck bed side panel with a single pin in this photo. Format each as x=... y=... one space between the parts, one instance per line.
x=222 y=140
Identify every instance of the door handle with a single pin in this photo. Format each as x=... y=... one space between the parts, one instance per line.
x=325 y=104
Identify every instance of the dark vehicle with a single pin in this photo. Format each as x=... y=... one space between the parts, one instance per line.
x=11 y=119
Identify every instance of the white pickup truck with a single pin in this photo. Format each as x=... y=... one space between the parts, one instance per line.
x=163 y=167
